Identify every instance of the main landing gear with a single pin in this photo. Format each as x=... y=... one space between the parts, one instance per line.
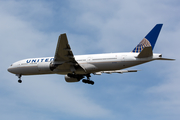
x=19 y=81
x=88 y=81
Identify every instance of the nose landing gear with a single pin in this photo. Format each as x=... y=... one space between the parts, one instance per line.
x=19 y=81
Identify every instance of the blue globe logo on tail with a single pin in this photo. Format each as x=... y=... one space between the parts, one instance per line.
x=149 y=40
x=144 y=43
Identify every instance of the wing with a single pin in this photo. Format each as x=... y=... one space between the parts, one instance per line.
x=63 y=51
x=64 y=58
x=115 y=71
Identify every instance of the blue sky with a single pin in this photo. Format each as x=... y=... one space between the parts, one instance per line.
x=31 y=29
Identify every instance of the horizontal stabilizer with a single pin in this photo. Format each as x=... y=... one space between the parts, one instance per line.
x=146 y=52
x=115 y=71
x=165 y=59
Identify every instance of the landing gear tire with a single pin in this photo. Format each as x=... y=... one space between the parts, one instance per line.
x=92 y=82
x=19 y=76
x=19 y=81
x=88 y=81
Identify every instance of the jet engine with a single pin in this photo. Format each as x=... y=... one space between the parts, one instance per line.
x=71 y=79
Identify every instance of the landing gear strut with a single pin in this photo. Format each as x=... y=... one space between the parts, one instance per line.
x=88 y=81
x=19 y=81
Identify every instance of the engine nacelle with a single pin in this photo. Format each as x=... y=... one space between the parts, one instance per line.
x=70 y=79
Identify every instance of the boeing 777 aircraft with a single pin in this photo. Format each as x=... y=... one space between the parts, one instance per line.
x=75 y=68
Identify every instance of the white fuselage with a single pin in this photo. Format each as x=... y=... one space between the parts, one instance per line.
x=90 y=63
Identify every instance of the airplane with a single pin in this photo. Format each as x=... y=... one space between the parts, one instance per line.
x=76 y=68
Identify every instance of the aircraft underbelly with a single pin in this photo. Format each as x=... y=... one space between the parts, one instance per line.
x=26 y=70
x=94 y=67
x=106 y=66
x=31 y=69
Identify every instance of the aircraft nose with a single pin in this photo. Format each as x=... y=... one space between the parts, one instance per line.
x=10 y=69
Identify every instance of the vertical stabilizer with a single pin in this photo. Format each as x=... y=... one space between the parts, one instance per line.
x=149 y=40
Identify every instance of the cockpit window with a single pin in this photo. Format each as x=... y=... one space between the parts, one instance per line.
x=11 y=64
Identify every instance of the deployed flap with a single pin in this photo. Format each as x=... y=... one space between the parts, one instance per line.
x=146 y=52
x=115 y=71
